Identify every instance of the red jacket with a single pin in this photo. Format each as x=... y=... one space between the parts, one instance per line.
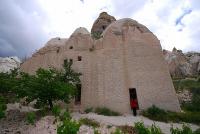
x=133 y=103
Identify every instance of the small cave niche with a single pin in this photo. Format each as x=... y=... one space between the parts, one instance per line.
x=79 y=58
x=71 y=47
x=103 y=27
x=58 y=50
x=71 y=60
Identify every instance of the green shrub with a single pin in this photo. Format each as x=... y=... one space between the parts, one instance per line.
x=65 y=115
x=68 y=127
x=2 y=114
x=156 y=113
x=185 y=130
x=88 y=110
x=117 y=131
x=155 y=130
x=89 y=122
x=96 y=35
x=141 y=129
x=96 y=131
x=186 y=84
x=56 y=110
x=3 y=107
x=49 y=85
x=31 y=118
x=189 y=117
x=106 y=112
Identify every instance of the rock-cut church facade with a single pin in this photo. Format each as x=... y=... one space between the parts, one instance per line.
x=127 y=57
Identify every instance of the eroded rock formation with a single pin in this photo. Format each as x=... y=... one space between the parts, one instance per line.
x=181 y=64
x=102 y=22
x=9 y=63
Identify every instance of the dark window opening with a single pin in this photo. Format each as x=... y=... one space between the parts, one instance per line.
x=104 y=27
x=71 y=60
x=58 y=38
x=58 y=50
x=79 y=58
x=78 y=95
x=71 y=47
x=133 y=94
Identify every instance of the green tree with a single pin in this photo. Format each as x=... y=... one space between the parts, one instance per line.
x=49 y=85
x=8 y=81
x=69 y=75
x=45 y=87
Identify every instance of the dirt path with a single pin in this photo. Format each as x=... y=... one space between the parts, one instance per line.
x=15 y=122
x=129 y=120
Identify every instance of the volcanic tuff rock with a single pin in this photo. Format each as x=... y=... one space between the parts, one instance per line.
x=126 y=56
x=102 y=22
x=8 y=63
x=181 y=64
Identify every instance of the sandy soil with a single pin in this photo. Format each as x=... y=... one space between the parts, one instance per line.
x=15 y=122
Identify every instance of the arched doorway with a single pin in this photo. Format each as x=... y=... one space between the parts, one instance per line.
x=133 y=94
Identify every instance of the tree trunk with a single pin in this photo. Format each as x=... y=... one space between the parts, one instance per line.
x=50 y=104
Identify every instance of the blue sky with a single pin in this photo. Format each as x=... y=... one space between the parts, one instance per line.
x=26 y=25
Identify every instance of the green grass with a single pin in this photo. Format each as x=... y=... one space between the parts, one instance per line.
x=189 y=83
x=141 y=129
x=89 y=122
x=56 y=110
x=88 y=110
x=167 y=116
x=3 y=107
x=31 y=118
x=107 y=112
x=184 y=130
x=68 y=127
x=193 y=85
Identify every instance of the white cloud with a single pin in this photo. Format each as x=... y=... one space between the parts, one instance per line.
x=28 y=24
x=65 y=16
x=160 y=17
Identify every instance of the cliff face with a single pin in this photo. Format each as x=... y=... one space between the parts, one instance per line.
x=8 y=63
x=181 y=64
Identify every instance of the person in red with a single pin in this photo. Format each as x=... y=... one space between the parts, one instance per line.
x=134 y=106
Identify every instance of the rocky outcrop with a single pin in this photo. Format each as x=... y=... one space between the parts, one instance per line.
x=181 y=64
x=102 y=22
x=9 y=63
x=184 y=96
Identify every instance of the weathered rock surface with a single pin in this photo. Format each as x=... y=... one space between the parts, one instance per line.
x=184 y=96
x=8 y=63
x=181 y=64
x=128 y=55
x=102 y=22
